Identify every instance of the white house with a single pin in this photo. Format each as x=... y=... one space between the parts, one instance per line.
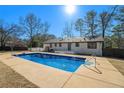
x=77 y=45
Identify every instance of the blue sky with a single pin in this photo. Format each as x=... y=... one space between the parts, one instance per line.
x=56 y=16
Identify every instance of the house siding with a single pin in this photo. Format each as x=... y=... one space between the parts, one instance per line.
x=57 y=48
x=82 y=49
x=62 y=48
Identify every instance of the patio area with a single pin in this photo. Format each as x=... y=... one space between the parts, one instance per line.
x=45 y=76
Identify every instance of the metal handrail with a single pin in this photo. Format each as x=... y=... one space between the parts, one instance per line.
x=93 y=57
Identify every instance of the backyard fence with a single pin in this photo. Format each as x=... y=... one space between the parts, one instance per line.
x=113 y=52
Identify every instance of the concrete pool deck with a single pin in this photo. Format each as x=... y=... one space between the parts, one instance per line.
x=45 y=76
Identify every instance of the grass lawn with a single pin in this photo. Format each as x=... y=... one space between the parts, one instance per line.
x=10 y=79
x=117 y=63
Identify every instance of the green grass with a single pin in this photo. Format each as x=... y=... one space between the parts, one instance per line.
x=117 y=63
x=11 y=79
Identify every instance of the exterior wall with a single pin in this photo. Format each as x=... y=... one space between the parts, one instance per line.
x=82 y=49
x=62 y=48
x=45 y=45
x=57 y=48
x=36 y=49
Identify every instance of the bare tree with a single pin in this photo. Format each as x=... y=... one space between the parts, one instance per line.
x=32 y=25
x=79 y=26
x=91 y=23
x=6 y=31
x=105 y=19
x=67 y=31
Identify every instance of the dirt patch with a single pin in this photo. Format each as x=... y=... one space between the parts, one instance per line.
x=117 y=63
x=11 y=79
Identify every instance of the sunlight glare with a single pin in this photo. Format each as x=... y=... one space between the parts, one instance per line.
x=70 y=9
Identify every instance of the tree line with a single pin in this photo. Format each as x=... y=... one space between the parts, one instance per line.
x=109 y=24
x=31 y=27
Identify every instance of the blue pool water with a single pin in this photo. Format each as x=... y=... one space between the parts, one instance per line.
x=61 y=62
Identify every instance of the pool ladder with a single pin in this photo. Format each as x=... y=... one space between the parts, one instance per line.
x=94 y=57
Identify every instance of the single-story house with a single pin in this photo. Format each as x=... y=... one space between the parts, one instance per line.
x=77 y=45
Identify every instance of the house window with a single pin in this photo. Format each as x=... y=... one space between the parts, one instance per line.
x=55 y=44
x=50 y=45
x=77 y=44
x=92 y=45
x=60 y=45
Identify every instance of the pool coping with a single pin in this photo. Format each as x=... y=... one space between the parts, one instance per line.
x=33 y=71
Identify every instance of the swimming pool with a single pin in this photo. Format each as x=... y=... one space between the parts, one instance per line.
x=66 y=63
